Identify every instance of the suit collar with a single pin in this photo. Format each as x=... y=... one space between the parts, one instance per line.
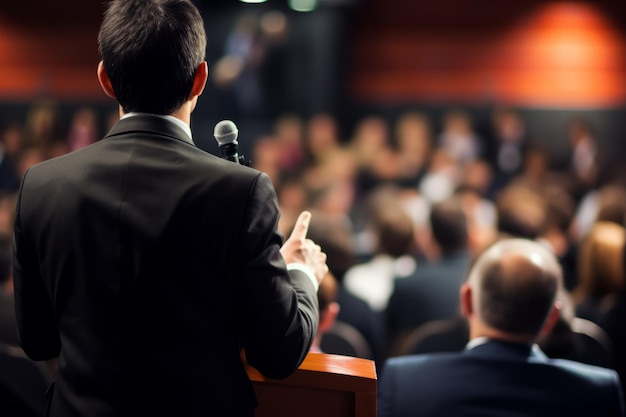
x=149 y=123
x=493 y=349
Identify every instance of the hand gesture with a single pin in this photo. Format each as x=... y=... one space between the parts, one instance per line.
x=301 y=250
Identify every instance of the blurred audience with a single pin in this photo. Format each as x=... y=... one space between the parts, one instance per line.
x=432 y=291
x=405 y=203
x=458 y=138
x=506 y=145
x=337 y=241
x=394 y=243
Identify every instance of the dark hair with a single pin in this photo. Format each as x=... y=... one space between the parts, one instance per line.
x=522 y=212
x=394 y=231
x=516 y=298
x=327 y=292
x=336 y=241
x=151 y=50
x=448 y=224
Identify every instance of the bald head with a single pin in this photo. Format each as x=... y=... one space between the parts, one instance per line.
x=514 y=285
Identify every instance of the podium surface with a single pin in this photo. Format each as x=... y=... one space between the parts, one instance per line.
x=323 y=386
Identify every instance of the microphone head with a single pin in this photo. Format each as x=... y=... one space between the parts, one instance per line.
x=225 y=132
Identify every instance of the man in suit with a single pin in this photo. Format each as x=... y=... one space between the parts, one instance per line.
x=146 y=263
x=432 y=291
x=8 y=326
x=509 y=300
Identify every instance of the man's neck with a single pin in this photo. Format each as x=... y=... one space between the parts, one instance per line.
x=482 y=331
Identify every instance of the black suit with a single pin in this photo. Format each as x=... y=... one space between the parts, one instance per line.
x=146 y=263
x=430 y=293
x=496 y=379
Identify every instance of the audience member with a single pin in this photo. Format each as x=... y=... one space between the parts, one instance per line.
x=607 y=203
x=394 y=243
x=7 y=212
x=474 y=193
x=321 y=138
x=458 y=138
x=509 y=300
x=414 y=145
x=481 y=217
x=432 y=291
x=329 y=309
x=368 y=146
x=560 y=214
x=583 y=155
x=146 y=264
x=441 y=178
x=337 y=241
x=288 y=130
x=600 y=271
x=506 y=145
x=521 y=212
x=613 y=323
x=83 y=130
x=577 y=339
x=10 y=146
x=266 y=158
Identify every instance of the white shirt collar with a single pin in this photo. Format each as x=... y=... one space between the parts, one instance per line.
x=477 y=341
x=172 y=119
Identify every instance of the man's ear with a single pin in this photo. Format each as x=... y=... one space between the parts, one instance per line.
x=466 y=298
x=105 y=83
x=553 y=318
x=200 y=78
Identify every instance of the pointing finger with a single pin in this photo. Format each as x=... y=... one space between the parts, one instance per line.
x=302 y=226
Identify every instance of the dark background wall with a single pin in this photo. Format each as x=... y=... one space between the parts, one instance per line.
x=551 y=60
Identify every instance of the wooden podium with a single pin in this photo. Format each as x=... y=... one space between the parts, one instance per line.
x=323 y=386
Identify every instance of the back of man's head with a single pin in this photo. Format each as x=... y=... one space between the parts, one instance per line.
x=151 y=50
x=522 y=212
x=448 y=224
x=394 y=230
x=514 y=284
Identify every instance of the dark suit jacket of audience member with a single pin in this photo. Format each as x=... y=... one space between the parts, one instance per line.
x=496 y=378
x=174 y=267
x=8 y=325
x=9 y=181
x=430 y=293
x=359 y=314
x=614 y=322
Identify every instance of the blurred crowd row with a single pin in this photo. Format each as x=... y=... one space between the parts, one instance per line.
x=372 y=194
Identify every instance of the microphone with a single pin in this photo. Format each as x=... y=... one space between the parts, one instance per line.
x=226 y=134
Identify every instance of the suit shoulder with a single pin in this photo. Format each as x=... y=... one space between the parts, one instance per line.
x=584 y=370
x=411 y=361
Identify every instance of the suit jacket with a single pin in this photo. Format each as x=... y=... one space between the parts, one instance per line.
x=499 y=379
x=146 y=264
x=8 y=326
x=21 y=383
x=430 y=293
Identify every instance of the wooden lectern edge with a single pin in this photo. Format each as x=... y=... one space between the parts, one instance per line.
x=339 y=364
x=357 y=373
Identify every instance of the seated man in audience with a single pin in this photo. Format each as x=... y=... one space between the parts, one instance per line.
x=509 y=300
x=432 y=291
